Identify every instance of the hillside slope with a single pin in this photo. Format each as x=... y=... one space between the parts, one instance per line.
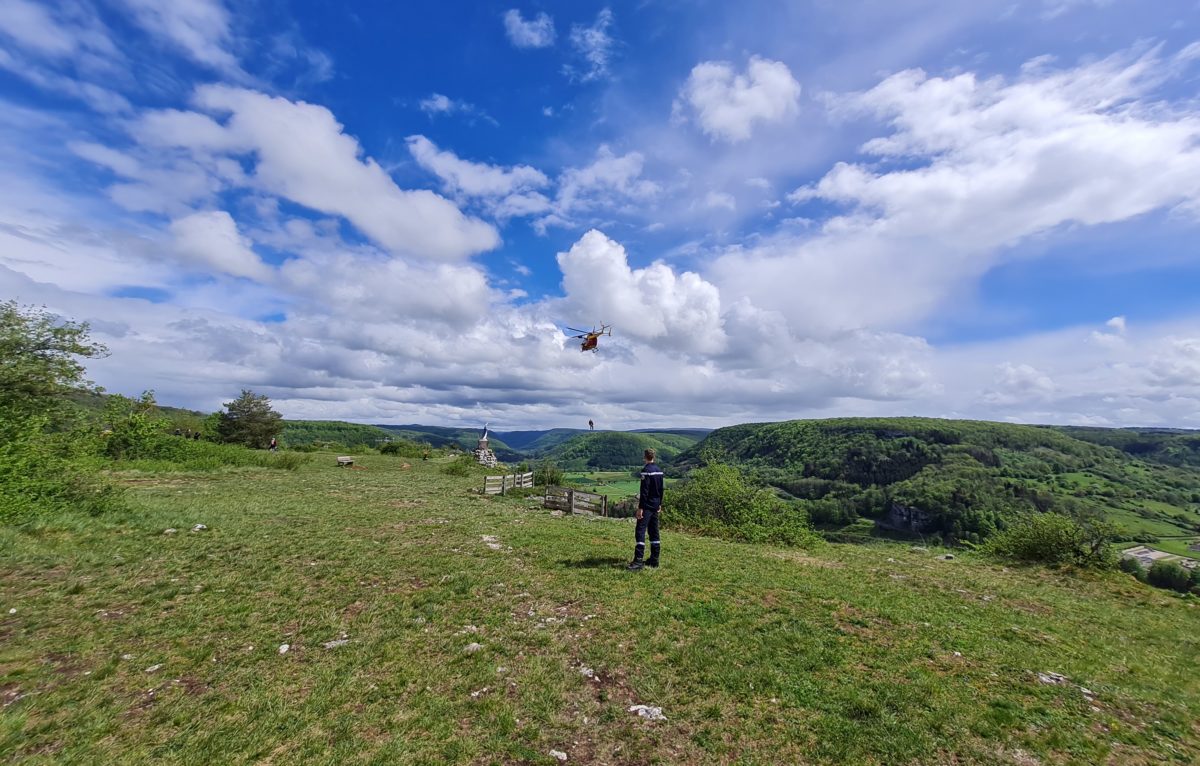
x=961 y=479
x=615 y=449
x=425 y=623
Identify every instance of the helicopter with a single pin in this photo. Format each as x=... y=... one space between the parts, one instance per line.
x=591 y=338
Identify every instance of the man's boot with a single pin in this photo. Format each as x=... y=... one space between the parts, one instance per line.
x=653 y=560
x=636 y=564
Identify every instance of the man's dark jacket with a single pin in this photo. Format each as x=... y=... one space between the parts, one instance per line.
x=650 y=498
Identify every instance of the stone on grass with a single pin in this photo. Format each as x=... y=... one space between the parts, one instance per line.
x=587 y=672
x=170 y=531
x=560 y=755
x=946 y=557
x=472 y=647
x=648 y=712
x=154 y=668
x=1056 y=679
x=199 y=527
x=13 y=610
x=283 y=648
x=919 y=549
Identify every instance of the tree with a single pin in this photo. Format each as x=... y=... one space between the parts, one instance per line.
x=1168 y=574
x=249 y=420
x=39 y=359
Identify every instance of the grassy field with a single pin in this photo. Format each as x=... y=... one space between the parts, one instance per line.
x=130 y=646
x=616 y=484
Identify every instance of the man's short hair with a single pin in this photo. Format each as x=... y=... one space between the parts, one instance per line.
x=649 y=455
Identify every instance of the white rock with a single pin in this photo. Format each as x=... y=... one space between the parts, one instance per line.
x=13 y=610
x=199 y=528
x=560 y=755
x=946 y=557
x=1056 y=679
x=495 y=546
x=648 y=712
x=471 y=648
x=488 y=538
x=587 y=672
x=170 y=531
x=127 y=656
x=154 y=668
x=958 y=654
x=283 y=648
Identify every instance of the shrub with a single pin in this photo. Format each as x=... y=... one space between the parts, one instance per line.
x=463 y=465
x=547 y=473
x=717 y=499
x=403 y=448
x=1052 y=538
x=1168 y=574
x=42 y=475
x=1134 y=567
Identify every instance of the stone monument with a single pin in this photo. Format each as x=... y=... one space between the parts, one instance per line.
x=483 y=453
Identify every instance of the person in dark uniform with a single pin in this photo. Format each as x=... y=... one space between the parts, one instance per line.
x=649 y=504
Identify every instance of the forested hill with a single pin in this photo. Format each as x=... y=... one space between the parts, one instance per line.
x=965 y=479
x=616 y=449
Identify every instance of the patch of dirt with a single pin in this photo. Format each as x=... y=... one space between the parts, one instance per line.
x=405 y=503
x=812 y=561
x=9 y=693
x=853 y=621
x=353 y=610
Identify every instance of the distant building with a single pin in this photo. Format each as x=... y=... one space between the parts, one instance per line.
x=1147 y=556
x=1194 y=546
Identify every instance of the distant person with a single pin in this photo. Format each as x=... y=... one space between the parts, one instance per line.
x=274 y=444
x=649 y=504
x=591 y=426
x=196 y=436
x=178 y=432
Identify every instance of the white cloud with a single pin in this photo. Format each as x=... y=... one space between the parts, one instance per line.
x=609 y=183
x=33 y=28
x=716 y=199
x=594 y=45
x=473 y=178
x=319 y=166
x=439 y=104
x=533 y=33
x=983 y=165
x=727 y=105
x=199 y=28
x=211 y=240
x=649 y=304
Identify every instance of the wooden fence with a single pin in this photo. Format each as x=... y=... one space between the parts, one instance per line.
x=498 y=485
x=575 y=501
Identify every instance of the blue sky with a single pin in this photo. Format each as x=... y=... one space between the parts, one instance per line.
x=386 y=212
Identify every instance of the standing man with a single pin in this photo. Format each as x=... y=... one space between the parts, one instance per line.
x=649 y=504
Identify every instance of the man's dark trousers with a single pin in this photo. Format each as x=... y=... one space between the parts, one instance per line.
x=648 y=522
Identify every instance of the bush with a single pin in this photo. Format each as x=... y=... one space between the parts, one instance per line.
x=1134 y=567
x=547 y=473
x=717 y=499
x=1052 y=538
x=42 y=475
x=463 y=465
x=404 y=448
x=1168 y=574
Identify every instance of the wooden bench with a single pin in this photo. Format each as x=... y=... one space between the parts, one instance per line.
x=345 y=461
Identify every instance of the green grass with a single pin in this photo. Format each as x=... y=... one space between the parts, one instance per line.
x=757 y=655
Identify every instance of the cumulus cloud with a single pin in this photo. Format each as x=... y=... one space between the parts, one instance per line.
x=537 y=32
x=211 y=240
x=319 y=167
x=594 y=45
x=970 y=167
x=727 y=105
x=650 y=303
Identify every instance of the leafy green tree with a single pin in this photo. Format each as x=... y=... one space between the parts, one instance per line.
x=547 y=473
x=249 y=421
x=1052 y=538
x=1168 y=574
x=1134 y=567
x=39 y=360
x=41 y=473
x=133 y=427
